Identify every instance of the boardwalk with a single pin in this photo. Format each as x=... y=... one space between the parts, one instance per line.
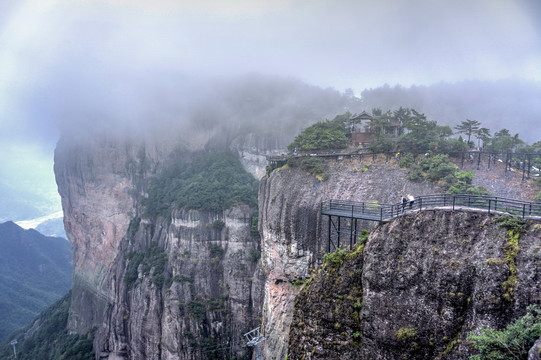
x=381 y=212
x=348 y=212
x=523 y=162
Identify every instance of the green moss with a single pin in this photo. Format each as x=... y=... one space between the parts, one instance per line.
x=405 y=334
x=511 y=249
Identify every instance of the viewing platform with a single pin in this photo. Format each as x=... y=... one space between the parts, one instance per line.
x=351 y=211
x=381 y=212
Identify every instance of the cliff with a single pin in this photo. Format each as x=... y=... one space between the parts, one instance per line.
x=183 y=286
x=189 y=284
x=293 y=233
x=421 y=284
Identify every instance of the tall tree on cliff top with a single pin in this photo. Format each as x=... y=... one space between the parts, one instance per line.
x=421 y=133
x=482 y=134
x=468 y=127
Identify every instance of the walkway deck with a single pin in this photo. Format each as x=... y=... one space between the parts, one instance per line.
x=520 y=161
x=381 y=212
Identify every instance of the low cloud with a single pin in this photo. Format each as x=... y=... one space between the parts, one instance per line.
x=126 y=62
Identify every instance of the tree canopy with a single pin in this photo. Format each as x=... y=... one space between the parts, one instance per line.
x=213 y=181
x=323 y=135
x=468 y=127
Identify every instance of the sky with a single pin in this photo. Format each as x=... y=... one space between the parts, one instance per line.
x=60 y=56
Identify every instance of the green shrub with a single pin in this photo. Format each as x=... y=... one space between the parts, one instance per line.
x=218 y=225
x=255 y=255
x=515 y=224
x=197 y=309
x=153 y=257
x=313 y=165
x=216 y=251
x=406 y=160
x=439 y=169
x=513 y=342
x=254 y=226
x=335 y=258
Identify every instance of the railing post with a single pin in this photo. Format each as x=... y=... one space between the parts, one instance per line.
x=351 y=229
x=381 y=213
x=330 y=220
x=454 y=198
x=489 y=201
x=338 y=239
x=523 y=210
x=420 y=203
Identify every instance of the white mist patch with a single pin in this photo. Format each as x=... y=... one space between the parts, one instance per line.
x=33 y=223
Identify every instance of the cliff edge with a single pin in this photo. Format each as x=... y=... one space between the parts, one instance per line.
x=418 y=287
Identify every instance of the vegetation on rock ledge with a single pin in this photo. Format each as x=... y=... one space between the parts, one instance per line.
x=513 y=342
x=213 y=181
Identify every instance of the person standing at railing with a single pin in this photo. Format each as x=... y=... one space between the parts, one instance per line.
x=403 y=201
x=411 y=200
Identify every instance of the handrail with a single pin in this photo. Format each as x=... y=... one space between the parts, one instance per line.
x=380 y=212
x=316 y=153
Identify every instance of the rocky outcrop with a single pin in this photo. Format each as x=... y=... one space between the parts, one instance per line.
x=535 y=351
x=293 y=233
x=421 y=284
x=195 y=287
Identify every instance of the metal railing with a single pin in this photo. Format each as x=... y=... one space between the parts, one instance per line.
x=381 y=212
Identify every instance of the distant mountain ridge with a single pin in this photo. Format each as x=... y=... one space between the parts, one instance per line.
x=35 y=271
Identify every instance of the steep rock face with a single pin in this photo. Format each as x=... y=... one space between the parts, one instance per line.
x=97 y=190
x=197 y=305
x=206 y=293
x=421 y=284
x=293 y=234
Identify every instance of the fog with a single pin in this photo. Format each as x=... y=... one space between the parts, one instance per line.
x=63 y=62
x=272 y=66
